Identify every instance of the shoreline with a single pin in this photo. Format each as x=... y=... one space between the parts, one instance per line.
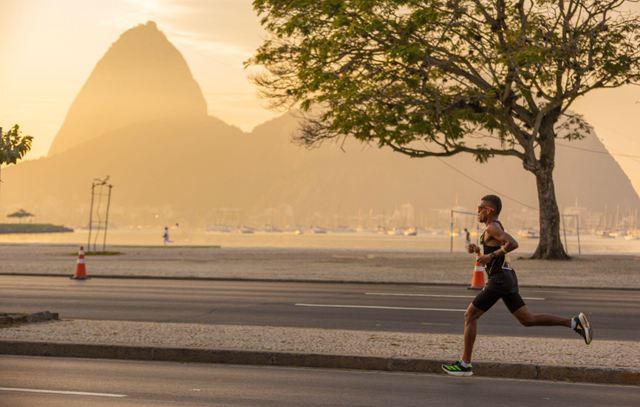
x=519 y=254
x=185 y=239
x=32 y=228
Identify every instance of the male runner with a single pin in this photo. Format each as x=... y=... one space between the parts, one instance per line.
x=502 y=284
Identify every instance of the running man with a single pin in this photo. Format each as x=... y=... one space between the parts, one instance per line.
x=502 y=284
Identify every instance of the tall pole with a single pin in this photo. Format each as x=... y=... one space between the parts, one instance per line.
x=0 y=164
x=578 y=231
x=106 y=221
x=93 y=186
x=564 y=231
x=451 y=233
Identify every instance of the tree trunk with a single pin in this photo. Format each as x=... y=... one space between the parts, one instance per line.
x=549 y=246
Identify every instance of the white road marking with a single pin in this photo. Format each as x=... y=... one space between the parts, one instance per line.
x=72 y=393
x=443 y=296
x=380 y=307
x=547 y=291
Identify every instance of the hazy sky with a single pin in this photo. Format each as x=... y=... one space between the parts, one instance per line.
x=48 y=48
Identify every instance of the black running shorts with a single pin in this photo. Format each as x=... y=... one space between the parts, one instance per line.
x=503 y=284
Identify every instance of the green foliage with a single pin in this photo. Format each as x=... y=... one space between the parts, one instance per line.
x=13 y=145
x=441 y=77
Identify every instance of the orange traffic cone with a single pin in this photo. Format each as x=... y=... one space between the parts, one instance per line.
x=477 y=278
x=81 y=268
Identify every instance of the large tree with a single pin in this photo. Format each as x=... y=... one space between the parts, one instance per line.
x=442 y=77
x=13 y=146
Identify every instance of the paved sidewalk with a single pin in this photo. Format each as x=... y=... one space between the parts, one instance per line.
x=519 y=357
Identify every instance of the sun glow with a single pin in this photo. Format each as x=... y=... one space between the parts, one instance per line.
x=53 y=46
x=149 y=7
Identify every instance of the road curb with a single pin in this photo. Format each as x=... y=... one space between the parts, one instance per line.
x=328 y=361
x=7 y=319
x=311 y=281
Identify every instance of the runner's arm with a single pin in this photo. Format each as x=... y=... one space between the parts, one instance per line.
x=507 y=242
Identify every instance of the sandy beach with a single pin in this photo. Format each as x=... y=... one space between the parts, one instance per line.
x=606 y=271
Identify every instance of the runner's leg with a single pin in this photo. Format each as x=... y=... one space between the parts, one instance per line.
x=526 y=318
x=470 y=329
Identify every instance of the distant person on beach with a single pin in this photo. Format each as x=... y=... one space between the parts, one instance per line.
x=165 y=236
x=502 y=284
x=467 y=238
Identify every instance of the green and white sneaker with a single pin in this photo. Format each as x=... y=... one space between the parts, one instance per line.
x=456 y=369
x=583 y=328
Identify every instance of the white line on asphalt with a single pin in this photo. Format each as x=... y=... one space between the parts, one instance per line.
x=379 y=307
x=443 y=296
x=72 y=393
x=547 y=291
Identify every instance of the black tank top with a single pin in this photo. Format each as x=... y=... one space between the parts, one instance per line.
x=495 y=265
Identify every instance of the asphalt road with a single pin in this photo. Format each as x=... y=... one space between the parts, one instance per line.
x=53 y=382
x=615 y=314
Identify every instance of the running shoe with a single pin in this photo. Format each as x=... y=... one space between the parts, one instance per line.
x=456 y=369
x=583 y=328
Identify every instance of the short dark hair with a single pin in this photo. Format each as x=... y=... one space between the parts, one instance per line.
x=494 y=201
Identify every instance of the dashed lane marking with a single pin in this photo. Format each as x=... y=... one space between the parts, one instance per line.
x=71 y=393
x=442 y=296
x=379 y=307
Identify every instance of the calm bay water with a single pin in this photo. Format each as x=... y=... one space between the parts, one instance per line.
x=364 y=241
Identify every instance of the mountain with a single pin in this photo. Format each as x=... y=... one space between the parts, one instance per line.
x=364 y=176
x=142 y=77
x=141 y=119
x=205 y=171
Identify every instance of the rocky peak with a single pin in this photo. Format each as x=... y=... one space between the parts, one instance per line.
x=141 y=78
